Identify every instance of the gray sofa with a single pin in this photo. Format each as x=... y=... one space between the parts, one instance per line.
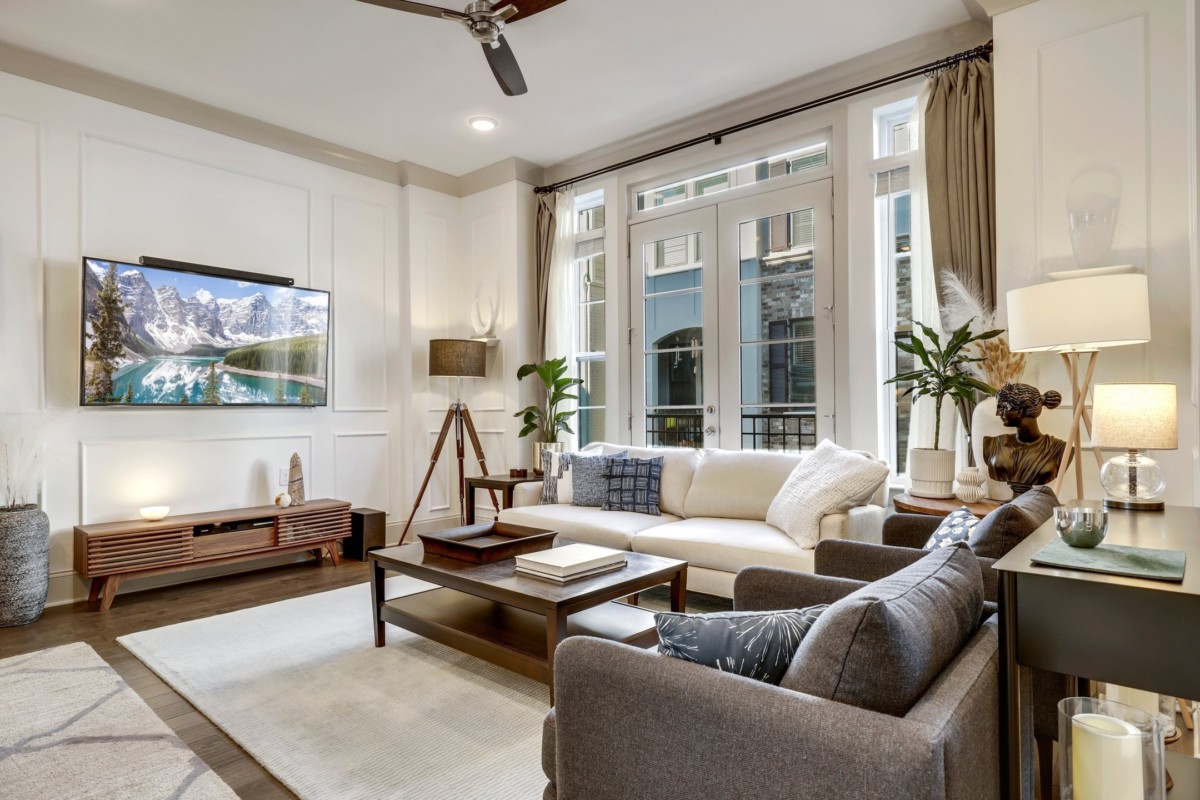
x=629 y=723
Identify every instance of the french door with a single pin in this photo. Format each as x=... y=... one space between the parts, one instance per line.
x=732 y=318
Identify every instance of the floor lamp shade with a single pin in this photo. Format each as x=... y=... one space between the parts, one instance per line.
x=457 y=358
x=1082 y=314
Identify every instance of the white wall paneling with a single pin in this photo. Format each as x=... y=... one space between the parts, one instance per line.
x=21 y=285
x=1103 y=87
x=360 y=342
x=361 y=469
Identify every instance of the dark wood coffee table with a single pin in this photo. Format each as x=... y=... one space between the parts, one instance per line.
x=514 y=621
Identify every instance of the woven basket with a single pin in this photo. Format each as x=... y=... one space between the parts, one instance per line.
x=24 y=564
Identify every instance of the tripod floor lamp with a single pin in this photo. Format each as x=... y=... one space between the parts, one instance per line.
x=1077 y=315
x=455 y=358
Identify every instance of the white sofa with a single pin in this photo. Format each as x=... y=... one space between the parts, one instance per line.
x=714 y=506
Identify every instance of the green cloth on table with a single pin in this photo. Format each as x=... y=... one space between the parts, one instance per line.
x=1114 y=559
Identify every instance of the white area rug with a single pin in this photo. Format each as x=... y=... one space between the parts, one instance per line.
x=301 y=687
x=70 y=727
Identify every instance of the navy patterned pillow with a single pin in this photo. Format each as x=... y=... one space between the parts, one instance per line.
x=955 y=528
x=590 y=484
x=754 y=644
x=633 y=484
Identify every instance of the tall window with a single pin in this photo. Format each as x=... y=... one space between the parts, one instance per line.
x=895 y=146
x=589 y=289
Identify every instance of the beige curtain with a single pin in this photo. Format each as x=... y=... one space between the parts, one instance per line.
x=960 y=172
x=543 y=253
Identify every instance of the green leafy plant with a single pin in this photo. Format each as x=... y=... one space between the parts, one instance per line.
x=943 y=369
x=548 y=419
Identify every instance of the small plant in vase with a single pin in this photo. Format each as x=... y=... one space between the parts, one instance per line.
x=943 y=372
x=24 y=533
x=546 y=417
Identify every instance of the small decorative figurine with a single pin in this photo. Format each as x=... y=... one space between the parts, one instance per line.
x=1028 y=457
x=970 y=485
x=283 y=499
x=296 y=481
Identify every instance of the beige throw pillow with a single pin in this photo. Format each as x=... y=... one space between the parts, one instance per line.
x=828 y=480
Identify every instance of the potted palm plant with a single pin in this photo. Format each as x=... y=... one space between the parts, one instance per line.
x=24 y=534
x=546 y=416
x=942 y=372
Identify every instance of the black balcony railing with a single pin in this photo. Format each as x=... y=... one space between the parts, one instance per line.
x=789 y=431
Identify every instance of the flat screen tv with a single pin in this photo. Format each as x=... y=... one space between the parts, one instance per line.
x=155 y=336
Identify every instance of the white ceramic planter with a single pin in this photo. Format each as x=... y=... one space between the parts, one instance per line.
x=931 y=472
x=984 y=422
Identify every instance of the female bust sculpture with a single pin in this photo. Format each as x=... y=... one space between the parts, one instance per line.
x=1028 y=457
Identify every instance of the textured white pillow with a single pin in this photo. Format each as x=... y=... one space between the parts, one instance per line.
x=828 y=480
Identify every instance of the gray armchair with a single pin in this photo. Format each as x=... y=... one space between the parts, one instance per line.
x=629 y=723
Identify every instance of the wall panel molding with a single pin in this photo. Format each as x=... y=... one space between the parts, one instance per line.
x=343 y=471
x=366 y=350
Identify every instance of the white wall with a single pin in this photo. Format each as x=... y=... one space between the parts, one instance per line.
x=1087 y=83
x=86 y=177
x=462 y=250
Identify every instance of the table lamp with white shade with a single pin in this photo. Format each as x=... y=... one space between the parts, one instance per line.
x=1079 y=313
x=1134 y=417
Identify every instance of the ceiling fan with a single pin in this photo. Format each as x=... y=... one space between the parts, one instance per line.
x=486 y=24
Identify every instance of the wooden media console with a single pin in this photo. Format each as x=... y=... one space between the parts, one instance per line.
x=112 y=552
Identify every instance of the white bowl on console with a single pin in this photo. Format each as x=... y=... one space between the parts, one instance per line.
x=154 y=513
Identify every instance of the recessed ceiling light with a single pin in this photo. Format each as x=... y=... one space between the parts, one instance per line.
x=483 y=124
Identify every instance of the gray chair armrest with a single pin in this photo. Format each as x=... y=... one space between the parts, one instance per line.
x=771 y=588
x=909 y=530
x=860 y=561
x=548 y=747
x=633 y=724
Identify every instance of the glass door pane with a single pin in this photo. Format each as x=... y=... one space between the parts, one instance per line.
x=776 y=367
x=673 y=317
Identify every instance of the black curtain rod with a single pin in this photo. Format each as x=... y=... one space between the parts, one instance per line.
x=982 y=51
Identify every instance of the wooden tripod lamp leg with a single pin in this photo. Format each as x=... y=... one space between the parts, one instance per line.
x=1079 y=393
x=433 y=460
x=475 y=444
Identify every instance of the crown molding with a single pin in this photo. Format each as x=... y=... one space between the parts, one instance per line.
x=994 y=7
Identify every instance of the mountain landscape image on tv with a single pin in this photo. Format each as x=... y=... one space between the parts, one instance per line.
x=159 y=336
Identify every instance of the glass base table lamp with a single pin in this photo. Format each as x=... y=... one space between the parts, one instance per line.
x=1134 y=417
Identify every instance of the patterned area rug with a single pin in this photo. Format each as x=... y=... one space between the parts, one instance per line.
x=301 y=687
x=70 y=727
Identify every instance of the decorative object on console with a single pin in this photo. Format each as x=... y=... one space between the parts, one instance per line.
x=295 y=481
x=970 y=485
x=942 y=372
x=24 y=533
x=153 y=513
x=283 y=499
x=828 y=480
x=455 y=358
x=633 y=484
x=1028 y=457
x=753 y=644
x=1079 y=313
x=1134 y=417
x=955 y=527
x=1109 y=750
x=546 y=417
x=518 y=473
x=1081 y=526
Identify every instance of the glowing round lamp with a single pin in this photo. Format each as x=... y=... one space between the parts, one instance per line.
x=1134 y=417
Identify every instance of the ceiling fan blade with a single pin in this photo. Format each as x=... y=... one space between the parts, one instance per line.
x=504 y=67
x=527 y=8
x=418 y=8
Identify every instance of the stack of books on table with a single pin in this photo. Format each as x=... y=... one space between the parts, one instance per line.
x=571 y=562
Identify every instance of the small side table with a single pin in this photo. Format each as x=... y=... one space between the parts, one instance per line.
x=502 y=482
x=940 y=507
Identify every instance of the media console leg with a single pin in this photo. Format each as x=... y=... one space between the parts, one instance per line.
x=333 y=553
x=111 y=584
x=97 y=588
x=319 y=555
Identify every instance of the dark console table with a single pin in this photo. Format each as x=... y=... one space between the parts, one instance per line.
x=112 y=552
x=1134 y=632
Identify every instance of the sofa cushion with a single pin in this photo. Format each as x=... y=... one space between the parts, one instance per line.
x=633 y=484
x=737 y=484
x=557 y=486
x=587 y=525
x=724 y=544
x=589 y=478
x=828 y=480
x=679 y=465
x=881 y=646
x=955 y=527
x=753 y=644
x=1007 y=526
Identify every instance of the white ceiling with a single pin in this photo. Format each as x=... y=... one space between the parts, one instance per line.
x=401 y=86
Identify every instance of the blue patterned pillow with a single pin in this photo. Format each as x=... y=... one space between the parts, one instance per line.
x=633 y=484
x=955 y=528
x=590 y=484
x=754 y=644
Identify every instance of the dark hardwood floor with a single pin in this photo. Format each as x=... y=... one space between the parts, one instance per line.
x=137 y=611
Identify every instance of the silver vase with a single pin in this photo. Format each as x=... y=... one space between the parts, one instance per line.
x=24 y=564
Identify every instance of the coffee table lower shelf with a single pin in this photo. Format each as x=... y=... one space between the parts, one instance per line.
x=507 y=636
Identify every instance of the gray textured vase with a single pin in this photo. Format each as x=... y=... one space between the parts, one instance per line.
x=24 y=564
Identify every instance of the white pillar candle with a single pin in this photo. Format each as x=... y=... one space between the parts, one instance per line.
x=1106 y=758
